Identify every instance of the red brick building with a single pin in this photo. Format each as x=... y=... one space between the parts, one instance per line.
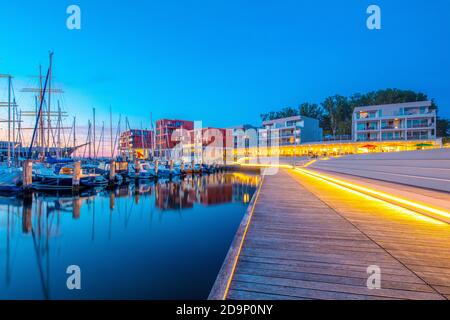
x=164 y=131
x=137 y=140
x=218 y=141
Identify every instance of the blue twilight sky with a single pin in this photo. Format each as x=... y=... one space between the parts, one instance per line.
x=223 y=61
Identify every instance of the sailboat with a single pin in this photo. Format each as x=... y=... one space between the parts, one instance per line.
x=11 y=180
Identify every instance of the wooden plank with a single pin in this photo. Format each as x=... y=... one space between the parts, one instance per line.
x=306 y=242
x=297 y=293
x=249 y=295
x=340 y=288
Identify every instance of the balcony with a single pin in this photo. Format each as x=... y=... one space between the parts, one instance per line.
x=367 y=139
x=392 y=138
x=420 y=126
x=370 y=128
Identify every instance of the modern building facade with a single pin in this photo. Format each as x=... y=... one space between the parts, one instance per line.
x=244 y=141
x=164 y=130
x=208 y=145
x=289 y=132
x=137 y=143
x=392 y=122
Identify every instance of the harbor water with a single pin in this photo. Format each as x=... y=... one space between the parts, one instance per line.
x=153 y=240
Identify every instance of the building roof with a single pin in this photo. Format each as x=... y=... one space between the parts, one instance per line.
x=294 y=118
x=396 y=105
x=244 y=126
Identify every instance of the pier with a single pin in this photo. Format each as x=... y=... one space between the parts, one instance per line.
x=303 y=238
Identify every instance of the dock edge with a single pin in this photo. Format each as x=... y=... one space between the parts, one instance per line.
x=220 y=288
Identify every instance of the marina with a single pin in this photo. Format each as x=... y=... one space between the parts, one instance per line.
x=211 y=157
x=140 y=241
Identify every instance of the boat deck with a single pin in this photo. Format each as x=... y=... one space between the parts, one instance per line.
x=308 y=239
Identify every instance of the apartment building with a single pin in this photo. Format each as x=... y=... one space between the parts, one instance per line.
x=208 y=145
x=290 y=131
x=164 y=130
x=402 y=121
x=136 y=143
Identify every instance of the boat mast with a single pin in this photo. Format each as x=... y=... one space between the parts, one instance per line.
x=49 y=121
x=117 y=134
x=95 y=154
x=74 y=136
x=59 y=124
x=14 y=128
x=101 y=140
x=41 y=118
x=153 y=138
x=19 y=133
x=9 y=120
x=111 y=132
x=90 y=137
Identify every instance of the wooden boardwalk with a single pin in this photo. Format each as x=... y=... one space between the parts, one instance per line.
x=311 y=240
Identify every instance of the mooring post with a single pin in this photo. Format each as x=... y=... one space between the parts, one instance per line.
x=112 y=172
x=182 y=167
x=137 y=168
x=27 y=175
x=156 y=167
x=76 y=176
x=192 y=166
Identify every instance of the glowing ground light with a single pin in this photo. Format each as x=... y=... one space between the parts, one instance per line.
x=268 y=165
x=435 y=213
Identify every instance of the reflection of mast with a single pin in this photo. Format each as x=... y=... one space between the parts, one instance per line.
x=112 y=203
x=76 y=207
x=8 y=252
x=93 y=222
x=45 y=288
x=26 y=215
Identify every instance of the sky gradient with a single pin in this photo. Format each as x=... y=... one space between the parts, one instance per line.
x=223 y=62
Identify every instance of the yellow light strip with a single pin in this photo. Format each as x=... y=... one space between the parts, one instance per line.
x=233 y=270
x=398 y=208
x=433 y=212
x=262 y=165
x=309 y=163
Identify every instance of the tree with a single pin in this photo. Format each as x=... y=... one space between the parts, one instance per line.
x=335 y=112
x=312 y=110
x=339 y=112
x=284 y=113
x=386 y=96
x=443 y=127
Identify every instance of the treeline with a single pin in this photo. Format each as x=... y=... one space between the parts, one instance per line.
x=335 y=112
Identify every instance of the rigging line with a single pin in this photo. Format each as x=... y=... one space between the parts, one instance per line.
x=117 y=134
x=37 y=118
x=100 y=143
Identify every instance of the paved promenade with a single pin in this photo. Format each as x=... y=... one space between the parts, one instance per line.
x=308 y=239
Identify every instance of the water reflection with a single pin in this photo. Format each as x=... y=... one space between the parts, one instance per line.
x=130 y=229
